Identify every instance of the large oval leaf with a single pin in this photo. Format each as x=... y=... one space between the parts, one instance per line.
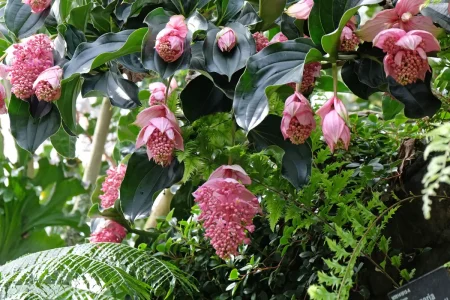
x=30 y=133
x=21 y=21
x=269 y=11
x=64 y=143
x=439 y=13
x=227 y=9
x=67 y=103
x=297 y=159
x=109 y=46
x=277 y=64
x=143 y=180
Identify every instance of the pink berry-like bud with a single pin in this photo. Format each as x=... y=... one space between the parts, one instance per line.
x=226 y=39
x=108 y=232
x=170 y=40
x=111 y=185
x=260 y=40
x=298 y=119
x=3 y=109
x=47 y=86
x=301 y=9
x=37 y=6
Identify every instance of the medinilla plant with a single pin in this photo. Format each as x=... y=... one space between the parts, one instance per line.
x=235 y=102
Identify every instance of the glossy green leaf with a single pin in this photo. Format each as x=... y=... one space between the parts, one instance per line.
x=67 y=102
x=186 y=7
x=248 y=15
x=438 y=12
x=21 y=21
x=126 y=130
x=79 y=16
x=102 y=17
x=350 y=77
x=391 y=107
x=269 y=12
x=72 y=36
x=227 y=9
x=64 y=143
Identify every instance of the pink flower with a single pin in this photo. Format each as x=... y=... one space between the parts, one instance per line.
x=310 y=72
x=30 y=59
x=161 y=137
x=260 y=40
x=298 y=119
x=111 y=185
x=234 y=171
x=170 y=40
x=334 y=124
x=3 y=109
x=108 y=232
x=4 y=71
x=158 y=92
x=301 y=9
x=406 y=59
x=47 y=86
x=403 y=16
x=227 y=209
x=226 y=39
x=156 y=111
x=349 y=40
x=278 y=38
x=37 y=5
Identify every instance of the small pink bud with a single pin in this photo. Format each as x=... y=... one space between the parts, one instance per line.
x=47 y=86
x=170 y=40
x=298 y=119
x=301 y=9
x=37 y=6
x=3 y=109
x=226 y=39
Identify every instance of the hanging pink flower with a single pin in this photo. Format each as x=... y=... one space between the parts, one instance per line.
x=234 y=171
x=334 y=124
x=158 y=92
x=170 y=41
x=406 y=59
x=111 y=185
x=310 y=72
x=301 y=9
x=260 y=40
x=161 y=137
x=47 y=86
x=108 y=232
x=38 y=6
x=349 y=40
x=156 y=111
x=3 y=109
x=278 y=38
x=30 y=58
x=226 y=39
x=403 y=16
x=227 y=209
x=298 y=119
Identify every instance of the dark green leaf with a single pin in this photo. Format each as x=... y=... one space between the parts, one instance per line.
x=143 y=180
x=350 y=78
x=30 y=133
x=196 y=23
x=438 y=12
x=67 y=102
x=186 y=7
x=64 y=143
x=277 y=64
x=127 y=131
x=248 y=15
x=297 y=159
x=325 y=83
x=39 y=109
x=269 y=11
x=291 y=27
x=132 y=62
x=109 y=46
x=227 y=9
x=101 y=17
x=72 y=36
x=79 y=16
x=370 y=72
x=227 y=63
x=391 y=108
x=21 y=21
x=201 y=97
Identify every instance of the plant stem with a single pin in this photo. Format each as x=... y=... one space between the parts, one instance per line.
x=168 y=88
x=233 y=136
x=335 y=78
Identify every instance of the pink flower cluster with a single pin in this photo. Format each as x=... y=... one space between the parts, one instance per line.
x=298 y=119
x=262 y=42
x=158 y=92
x=38 y=6
x=31 y=70
x=111 y=185
x=170 y=41
x=349 y=39
x=227 y=209
x=108 y=232
x=160 y=133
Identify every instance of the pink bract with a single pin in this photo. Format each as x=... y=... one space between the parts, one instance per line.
x=47 y=86
x=111 y=185
x=298 y=119
x=301 y=9
x=156 y=111
x=226 y=39
x=158 y=92
x=170 y=41
x=37 y=6
x=108 y=232
x=234 y=171
x=278 y=38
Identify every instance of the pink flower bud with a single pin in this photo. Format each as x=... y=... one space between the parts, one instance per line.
x=108 y=232
x=158 y=92
x=111 y=185
x=260 y=40
x=170 y=41
x=298 y=119
x=334 y=124
x=278 y=38
x=234 y=171
x=301 y=9
x=226 y=39
x=47 y=86
x=3 y=109
x=37 y=6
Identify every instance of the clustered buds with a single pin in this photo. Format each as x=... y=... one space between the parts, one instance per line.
x=111 y=185
x=227 y=209
x=160 y=133
x=226 y=39
x=298 y=119
x=310 y=72
x=47 y=86
x=261 y=41
x=158 y=92
x=301 y=9
x=108 y=232
x=170 y=41
x=38 y=6
x=349 y=39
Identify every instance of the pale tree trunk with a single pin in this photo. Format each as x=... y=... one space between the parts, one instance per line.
x=160 y=208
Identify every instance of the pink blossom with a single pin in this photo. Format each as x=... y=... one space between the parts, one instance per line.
x=156 y=111
x=3 y=109
x=301 y=9
x=406 y=59
x=260 y=40
x=226 y=39
x=30 y=59
x=278 y=38
x=298 y=119
x=403 y=16
x=108 y=232
x=37 y=6
x=227 y=209
x=234 y=171
x=310 y=72
x=334 y=124
x=4 y=71
x=170 y=40
x=111 y=185
x=47 y=86
x=158 y=92
x=349 y=40
x=161 y=137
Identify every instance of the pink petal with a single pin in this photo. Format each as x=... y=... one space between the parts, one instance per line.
x=325 y=109
x=398 y=57
x=231 y=171
x=163 y=124
x=173 y=85
x=140 y=139
x=388 y=68
x=157 y=87
x=422 y=23
x=144 y=117
x=177 y=22
x=409 y=41
x=340 y=109
x=178 y=140
x=332 y=128
x=301 y=9
x=430 y=42
x=408 y=6
x=148 y=132
x=285 y=121
x=51 y=75
x=422 y=53
x=383 y=20
x=394 y=33
x=278 y=38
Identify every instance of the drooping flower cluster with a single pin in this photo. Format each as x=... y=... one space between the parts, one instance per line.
x=261 y=41
x=47 y=86
x=227 y=209
x=38 y=6
x=403 y=16
x=108 y=232
x=298 y=119
x=160 y=133
x=349 y=39
x=158 y=92
x=334 y=124
x=310 y=72
x=406 y=59
x=170 y=41
x=3 y=109
x=301 y=9
x=226 y=39
x=111 y=185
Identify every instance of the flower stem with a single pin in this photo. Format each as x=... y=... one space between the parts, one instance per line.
x=233 y=136
x=335 y=78
x=168 y=88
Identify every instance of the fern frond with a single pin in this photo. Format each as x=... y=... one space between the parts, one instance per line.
x=91 y=271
